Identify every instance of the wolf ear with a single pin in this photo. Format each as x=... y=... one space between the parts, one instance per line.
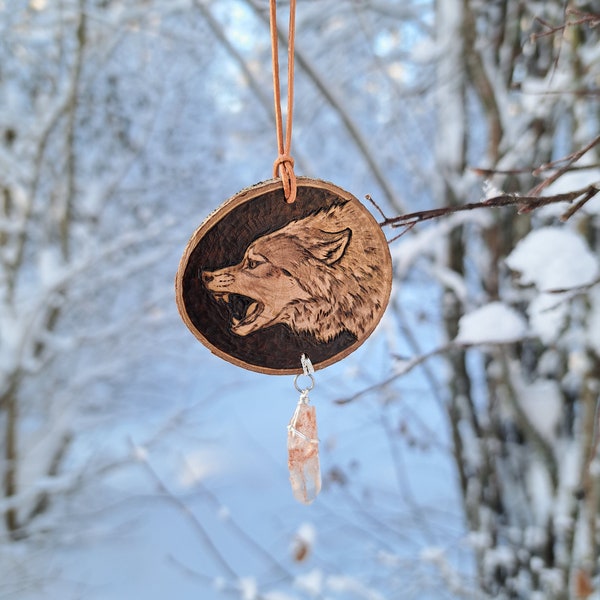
x=330 y=247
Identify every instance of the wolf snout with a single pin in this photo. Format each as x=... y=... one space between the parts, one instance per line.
x=217 y=279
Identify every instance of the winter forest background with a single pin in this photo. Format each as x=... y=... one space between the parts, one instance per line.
x=459 y=445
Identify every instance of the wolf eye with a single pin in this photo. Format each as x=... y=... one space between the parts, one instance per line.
x=252 y=264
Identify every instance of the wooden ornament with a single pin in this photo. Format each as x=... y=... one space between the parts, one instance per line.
x=262 y=282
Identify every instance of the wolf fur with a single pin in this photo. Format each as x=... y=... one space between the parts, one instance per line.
x=316 y=275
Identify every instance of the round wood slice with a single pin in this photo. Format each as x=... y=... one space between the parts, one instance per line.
x=262 y=282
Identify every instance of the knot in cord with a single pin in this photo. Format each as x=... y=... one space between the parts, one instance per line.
x=284 y=164
x=283 y=167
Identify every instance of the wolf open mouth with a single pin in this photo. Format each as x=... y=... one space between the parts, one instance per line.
x=244 y=310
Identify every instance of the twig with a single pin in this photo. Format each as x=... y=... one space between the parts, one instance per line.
x=410 y=364
x=186 y=511
x=530 y=170
x=257 y=549
x=587 y=196
x=591 y=91
x=569 y=160
x=406 y=367
x=525 y=204
x=584 y=18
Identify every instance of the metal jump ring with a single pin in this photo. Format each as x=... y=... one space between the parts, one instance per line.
x=312 y=383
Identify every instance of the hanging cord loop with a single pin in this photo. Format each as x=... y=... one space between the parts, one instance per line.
x=284 y=163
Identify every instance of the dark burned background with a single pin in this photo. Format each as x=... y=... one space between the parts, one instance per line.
x=224 y=244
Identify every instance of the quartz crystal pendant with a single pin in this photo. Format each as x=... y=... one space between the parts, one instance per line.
x=303 y=452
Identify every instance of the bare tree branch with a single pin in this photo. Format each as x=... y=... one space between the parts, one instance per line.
x=525 y=204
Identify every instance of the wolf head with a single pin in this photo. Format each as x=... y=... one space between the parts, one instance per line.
x=306 y=275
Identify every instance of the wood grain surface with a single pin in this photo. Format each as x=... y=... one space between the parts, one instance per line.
x=261 y=281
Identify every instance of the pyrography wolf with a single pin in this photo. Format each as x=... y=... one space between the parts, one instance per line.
x=315 y=275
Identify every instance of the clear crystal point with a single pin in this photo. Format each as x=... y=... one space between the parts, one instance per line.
x=303 y=453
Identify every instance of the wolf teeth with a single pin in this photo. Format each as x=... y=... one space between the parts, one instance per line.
x=251 y=309
x=251 y=313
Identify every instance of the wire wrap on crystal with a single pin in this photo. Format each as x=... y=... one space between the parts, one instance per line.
x=303 y=452
x=303 y=443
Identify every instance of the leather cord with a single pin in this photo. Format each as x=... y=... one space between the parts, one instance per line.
x=284 y=163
